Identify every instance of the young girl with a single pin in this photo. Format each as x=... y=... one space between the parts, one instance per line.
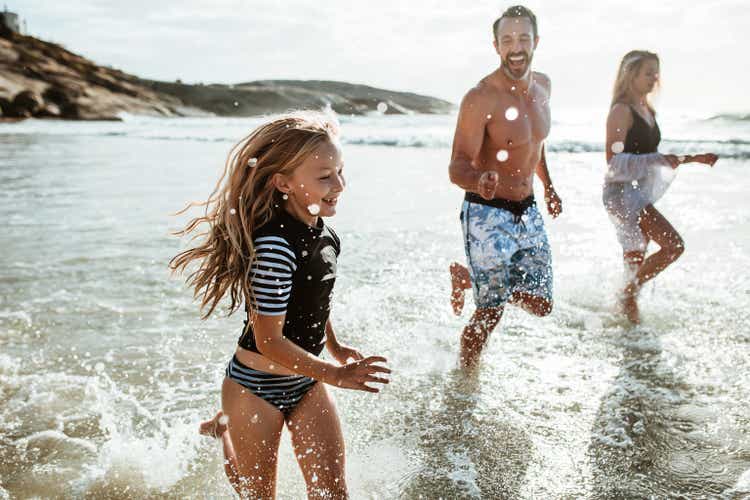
x=267 y=245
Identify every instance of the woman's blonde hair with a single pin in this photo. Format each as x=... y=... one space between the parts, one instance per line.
x=243 y=200
x=630 y=65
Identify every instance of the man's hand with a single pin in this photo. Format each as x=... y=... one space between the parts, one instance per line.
x=487 y=185
x=554 y=203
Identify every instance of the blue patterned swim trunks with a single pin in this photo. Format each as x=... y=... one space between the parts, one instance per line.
x=507 y=250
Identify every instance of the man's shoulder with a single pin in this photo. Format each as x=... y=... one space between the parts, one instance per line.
x=542 y=79
x=478 y=94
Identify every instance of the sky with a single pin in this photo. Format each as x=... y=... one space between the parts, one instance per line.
x=439 y=48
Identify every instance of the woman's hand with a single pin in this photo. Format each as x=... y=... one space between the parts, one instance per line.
x=356 y=374
x=674 y=160
x=705 y=158
x=344 y=353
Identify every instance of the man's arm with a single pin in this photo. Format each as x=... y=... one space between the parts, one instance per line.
x=467 y=142
x=542 y=171
x=554 y=203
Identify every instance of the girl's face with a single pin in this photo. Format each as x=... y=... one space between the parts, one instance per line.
x=648 y=75
x=314 y=187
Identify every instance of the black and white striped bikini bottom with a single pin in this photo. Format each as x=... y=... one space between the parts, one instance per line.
x=282 y=391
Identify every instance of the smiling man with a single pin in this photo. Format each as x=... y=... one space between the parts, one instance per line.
x=497 y=149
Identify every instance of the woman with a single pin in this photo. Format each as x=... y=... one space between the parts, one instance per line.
x=638 y=175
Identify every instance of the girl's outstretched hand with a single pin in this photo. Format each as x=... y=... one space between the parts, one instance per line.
x=356 y=374
x=343 y=353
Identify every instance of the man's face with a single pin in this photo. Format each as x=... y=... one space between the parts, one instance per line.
x=515 y=42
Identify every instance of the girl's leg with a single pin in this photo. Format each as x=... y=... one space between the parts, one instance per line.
x=319 y=444
x=657 y=228
x=253 y=433
x=217 y=428
x=460 y=281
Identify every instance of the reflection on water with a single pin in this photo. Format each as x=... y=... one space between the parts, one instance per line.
x=466 y=452
x=651 y=436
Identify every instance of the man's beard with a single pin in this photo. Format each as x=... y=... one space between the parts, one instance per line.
x=517 y=74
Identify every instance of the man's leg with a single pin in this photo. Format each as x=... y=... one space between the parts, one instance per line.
x=460 y=281
x=538 y=306
x=474 y=336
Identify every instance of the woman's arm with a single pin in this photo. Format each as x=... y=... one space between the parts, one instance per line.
x=619 y=122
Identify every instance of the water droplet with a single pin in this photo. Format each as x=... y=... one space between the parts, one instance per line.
x=489 y=117
x=309 y=277
x=634 y=184
x=314 y=478
x=236 y=104
x=224 y=419
x=618 y=147
x=271 y=366
x=99 y=367
x=285 y=197
x=382 y=107
x=252 y=162
x=254 y=419
x=513 y=88
x=502 y=155
x=232 y=211
x=313 y=208
x=304 y=253
x=511 y=113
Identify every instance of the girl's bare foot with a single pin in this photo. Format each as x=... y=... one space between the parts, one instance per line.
x=215 y=427
x=460 y=281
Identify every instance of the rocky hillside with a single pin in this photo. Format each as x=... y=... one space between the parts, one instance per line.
x=44 y=80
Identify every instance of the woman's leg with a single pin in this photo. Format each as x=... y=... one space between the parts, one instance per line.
x=629 y=297
x=319 y=444
x=253 y=432
x=657 y=228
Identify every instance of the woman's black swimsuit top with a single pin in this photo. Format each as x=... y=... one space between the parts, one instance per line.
x=293 y=272
x=642 y=138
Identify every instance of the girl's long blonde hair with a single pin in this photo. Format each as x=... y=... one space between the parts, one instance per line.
x=630 y=65
x=243 y=200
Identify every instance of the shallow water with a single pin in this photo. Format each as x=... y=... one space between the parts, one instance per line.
x=105 y=367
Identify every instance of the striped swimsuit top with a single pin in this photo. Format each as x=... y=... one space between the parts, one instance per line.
x=292 y=274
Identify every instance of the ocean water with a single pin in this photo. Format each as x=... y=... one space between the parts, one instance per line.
x=106 y=368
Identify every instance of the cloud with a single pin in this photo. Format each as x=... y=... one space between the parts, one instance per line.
x=431 y=46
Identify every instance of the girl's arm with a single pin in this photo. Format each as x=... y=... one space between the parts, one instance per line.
x=341 y=353
x=272 y=344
